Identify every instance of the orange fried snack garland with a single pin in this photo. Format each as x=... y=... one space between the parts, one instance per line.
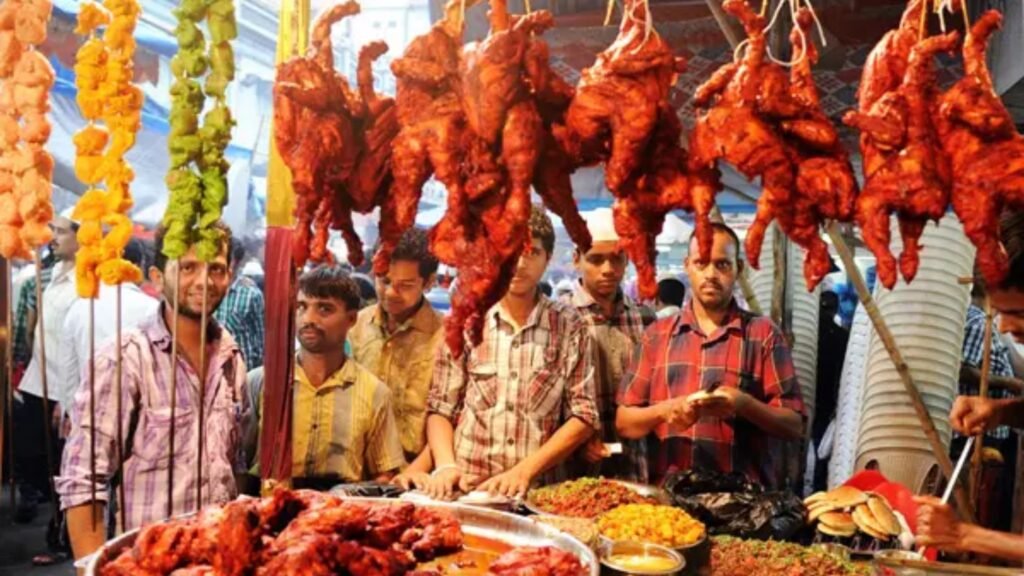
x=104 y=71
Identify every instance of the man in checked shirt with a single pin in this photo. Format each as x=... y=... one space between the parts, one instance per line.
x=713 y=345
x=510 y=411
x=147 y=413
x=616 y=323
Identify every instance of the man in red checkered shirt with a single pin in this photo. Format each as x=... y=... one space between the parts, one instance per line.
x=715 y=384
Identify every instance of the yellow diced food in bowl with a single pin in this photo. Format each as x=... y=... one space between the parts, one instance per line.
x=656 y=524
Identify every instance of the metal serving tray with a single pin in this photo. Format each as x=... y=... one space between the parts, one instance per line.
x=480 y=522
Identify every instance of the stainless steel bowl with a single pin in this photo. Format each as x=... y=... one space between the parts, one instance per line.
x=611 y=549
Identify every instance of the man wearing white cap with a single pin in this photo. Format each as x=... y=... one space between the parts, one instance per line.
x=616 y=323
x=30 y=451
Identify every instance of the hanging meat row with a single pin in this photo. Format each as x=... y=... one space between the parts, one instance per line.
x=492 y=121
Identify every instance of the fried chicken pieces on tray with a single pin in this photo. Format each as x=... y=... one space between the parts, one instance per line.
x=306 y=533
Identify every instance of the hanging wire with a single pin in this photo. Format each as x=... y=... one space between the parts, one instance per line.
x=794 y=7
x=647 y=23
x=609 y=12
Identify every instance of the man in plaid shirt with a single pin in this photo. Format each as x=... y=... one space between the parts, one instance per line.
x=243 y=311
x=715 y=384
x=511 y=410
x=616 y=324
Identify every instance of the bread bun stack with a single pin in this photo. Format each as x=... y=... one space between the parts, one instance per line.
x=846 y=510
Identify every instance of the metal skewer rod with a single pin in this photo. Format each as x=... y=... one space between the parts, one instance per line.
x=118 y=379
x=204 y=318
x=174 y=388
x=47 y=420
x=92 y=409
x=986 y=366
x=9 y=407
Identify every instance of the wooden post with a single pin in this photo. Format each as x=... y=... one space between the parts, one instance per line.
x=928 y=427
x=275 y=441
x=722 y=19
x=779 y=275
x=986 y=365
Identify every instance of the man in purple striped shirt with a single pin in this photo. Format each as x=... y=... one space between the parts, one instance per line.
x=147 y=411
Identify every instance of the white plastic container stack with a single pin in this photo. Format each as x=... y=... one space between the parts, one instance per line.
x=851 y=396
x=805 y=306
x=926 y=318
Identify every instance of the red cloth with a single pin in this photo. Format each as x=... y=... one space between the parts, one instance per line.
x=900 y=497
x=275 y=441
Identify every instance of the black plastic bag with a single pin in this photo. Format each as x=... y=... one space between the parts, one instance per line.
x=693 y=482
x=730 y=504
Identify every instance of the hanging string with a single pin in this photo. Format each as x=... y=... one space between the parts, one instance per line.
x=647 y=23
x=609 y=12
x=794 y=8
x=940 y=8
x=967 y=19
x=764 y=7
x=529 y=9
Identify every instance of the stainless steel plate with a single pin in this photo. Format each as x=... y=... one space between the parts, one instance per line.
x=481 y=522
x=901 y=567
x=659 y=495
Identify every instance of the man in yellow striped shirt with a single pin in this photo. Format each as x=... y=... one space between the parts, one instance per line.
x=343 y=428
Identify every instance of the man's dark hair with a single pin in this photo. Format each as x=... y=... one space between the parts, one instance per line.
x=331 y=282
x=367 y=291
x=1011 y=231
x=414 y=246
x=719 y=227
x=542 y=229
x=671 y=291
x=237 y=251
x=160 y=259
x=135 y=252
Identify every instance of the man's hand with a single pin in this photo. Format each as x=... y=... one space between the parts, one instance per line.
x=938 y=525
x=595 y=450
x=972 y=415
x=678 y=413
x=512 y=483
x=443 y=484
x=725 y=403
x=412 y=481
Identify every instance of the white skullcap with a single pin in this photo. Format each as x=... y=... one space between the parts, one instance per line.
x=601 y=225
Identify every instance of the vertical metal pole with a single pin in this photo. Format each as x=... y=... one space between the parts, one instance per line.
x=174 y=388
x=9 y=373
x=986 y=365
x=47 y=420
x=92 y=409
x=119 y=383
x=204 y=318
